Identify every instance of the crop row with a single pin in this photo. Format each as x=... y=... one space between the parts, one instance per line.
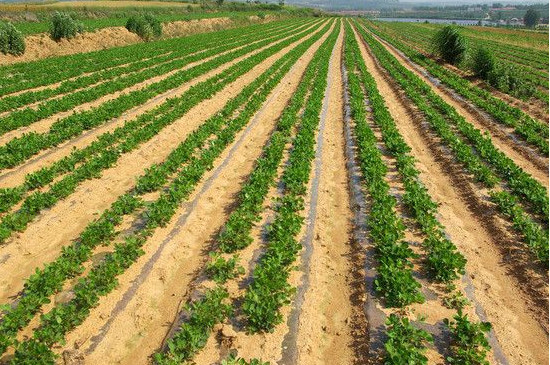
x=480 y=157
x=102 y=279
x=36 y=202
x=394 y=282
x=16 y=101
x=404 y=342
x=236 y=234
x=29 y=115
x=420 y=34
x=48 y=71
x=444 y=262
x=417 y=38
x=19 y=149
x=270 y=289
x=530 y=130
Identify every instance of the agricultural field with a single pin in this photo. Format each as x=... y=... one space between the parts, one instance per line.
x=300 y=190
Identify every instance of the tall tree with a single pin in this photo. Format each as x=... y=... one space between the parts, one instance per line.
x=531 y=18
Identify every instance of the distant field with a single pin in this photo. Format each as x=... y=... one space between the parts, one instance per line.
x=92 y=4
x=527 y=51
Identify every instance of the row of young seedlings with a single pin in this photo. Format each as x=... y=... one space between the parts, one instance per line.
x=12 y=102
x=97 y=157
x=176 y=178
x=178 y=59
x=213 y=307
x=405 y=344
x=19 y=149
x=22 y=76
x=477 y=154
x=270 y=289
x=533 y=132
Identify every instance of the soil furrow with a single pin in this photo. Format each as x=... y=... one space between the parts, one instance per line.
x=66 y=219
x=16 y=175
x=522 y=155
x=508 y=309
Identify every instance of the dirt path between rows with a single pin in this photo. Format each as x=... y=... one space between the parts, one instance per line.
x=16 y=175
x=139 y=329
x=522 y=155
x=325 y=333
x=522 y=337
x=53 y=229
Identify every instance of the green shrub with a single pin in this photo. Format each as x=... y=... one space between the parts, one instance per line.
x=145 y=26
x=508 y=79
x=449 y=44
x=261 y=16
x=483 y=63
x=64 y=26
x=11 y=40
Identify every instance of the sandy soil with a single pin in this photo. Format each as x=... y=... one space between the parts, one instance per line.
x=16 y=175
x=524 y=156
x=155 y=301
x=325 y=333
x=521 y=334
x=61 y=224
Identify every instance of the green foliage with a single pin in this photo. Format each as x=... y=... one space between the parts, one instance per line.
x=531 y=18
x=483 y=63
x=270 y=289
x=233 y=359
x=405 y=344
x=221 y=270
x=476 y=151
x=193 y=334
x=449 y=44
x=509 y=79
x=64 y=26
x=534 y=236
x=469 y=343
x=11 y=40
x=146 y=26
x=102 y=279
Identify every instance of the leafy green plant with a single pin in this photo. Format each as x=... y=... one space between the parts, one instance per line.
x=146 y=26
x=64 y=26
x=233 y=359
x=449 y=44
x=192 y=335
x=470 y=345
x=405 y=344
x=221 y=270
x=11 y=40
x=483 y=63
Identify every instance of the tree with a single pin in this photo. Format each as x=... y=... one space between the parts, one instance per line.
x=281 y=2
x=483 y=63
x=531 y=18
x=219 y=2
x=449 y=44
